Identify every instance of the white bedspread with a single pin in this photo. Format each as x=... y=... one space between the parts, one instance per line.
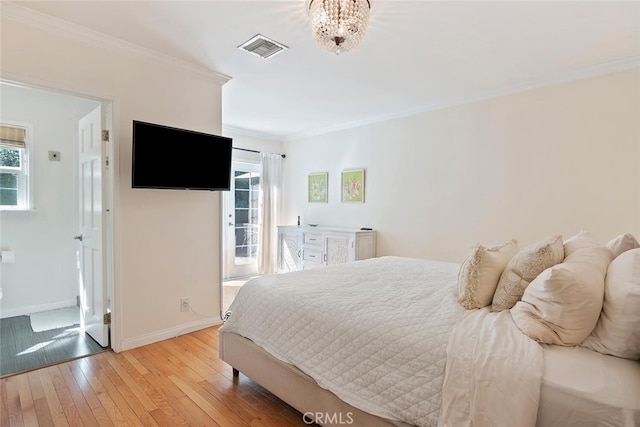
x=493 y=373
x=373 y=332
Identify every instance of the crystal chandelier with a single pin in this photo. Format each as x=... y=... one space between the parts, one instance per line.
x=339 y=25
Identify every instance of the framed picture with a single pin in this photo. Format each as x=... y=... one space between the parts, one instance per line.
x=318 y=187
x=353 y=185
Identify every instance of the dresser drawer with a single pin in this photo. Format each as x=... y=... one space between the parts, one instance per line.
x=312 y=238
x=311 y=255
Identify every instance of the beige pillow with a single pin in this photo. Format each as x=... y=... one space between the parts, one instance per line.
x=562 y=305
x=583 y=239
x=622 y=243
x=523 y=268
x=618 y=329
x=480 y=272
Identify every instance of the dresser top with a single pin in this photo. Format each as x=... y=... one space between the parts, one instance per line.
x=325 y=228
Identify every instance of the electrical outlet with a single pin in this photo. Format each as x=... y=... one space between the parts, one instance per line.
x=184 y=304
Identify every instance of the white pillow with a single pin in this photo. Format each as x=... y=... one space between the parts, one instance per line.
x=523 y=268
x=622 y=243
x=582 y=240
x=562 y=305
x=480 y=272
x=618 y=329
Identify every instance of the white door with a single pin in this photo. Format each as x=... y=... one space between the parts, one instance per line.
x=92 y=227
x=242 y=220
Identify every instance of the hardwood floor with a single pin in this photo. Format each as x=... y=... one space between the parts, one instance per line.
x=177 y=382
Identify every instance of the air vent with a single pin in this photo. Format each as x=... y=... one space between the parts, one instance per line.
x=262 y=46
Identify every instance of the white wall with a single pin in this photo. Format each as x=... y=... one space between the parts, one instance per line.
x=44 y=273
x=527 y=165
x=167 y=243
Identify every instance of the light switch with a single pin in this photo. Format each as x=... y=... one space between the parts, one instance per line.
x=7 y=257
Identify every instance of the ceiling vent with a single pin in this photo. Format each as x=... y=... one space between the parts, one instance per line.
x=262 y=46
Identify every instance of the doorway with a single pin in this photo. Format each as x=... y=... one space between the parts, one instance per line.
x=241 y=241
x=41 y=304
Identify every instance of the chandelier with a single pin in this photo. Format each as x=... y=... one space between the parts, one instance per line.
x=339 y=25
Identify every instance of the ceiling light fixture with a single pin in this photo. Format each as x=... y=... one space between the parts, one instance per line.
x=339 y=25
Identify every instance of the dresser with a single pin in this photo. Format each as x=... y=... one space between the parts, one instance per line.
x=310 y=247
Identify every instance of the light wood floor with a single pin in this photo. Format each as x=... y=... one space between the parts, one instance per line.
x=177 y=382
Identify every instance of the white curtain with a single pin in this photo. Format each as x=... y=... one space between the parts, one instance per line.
x=271 y=198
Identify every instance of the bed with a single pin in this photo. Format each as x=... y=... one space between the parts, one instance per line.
x=384 y=342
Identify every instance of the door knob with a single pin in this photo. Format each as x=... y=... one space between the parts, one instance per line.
x=230 y=224
x=78 y=237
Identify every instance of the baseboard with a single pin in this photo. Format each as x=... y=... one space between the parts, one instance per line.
x=23 y=311
x=168 y=333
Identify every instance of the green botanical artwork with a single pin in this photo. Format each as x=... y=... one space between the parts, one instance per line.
x=353 y=186
x=318 y=187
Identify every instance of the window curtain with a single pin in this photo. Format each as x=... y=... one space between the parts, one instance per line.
x=271 y=198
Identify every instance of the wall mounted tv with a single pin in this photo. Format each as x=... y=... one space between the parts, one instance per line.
x=172 y=158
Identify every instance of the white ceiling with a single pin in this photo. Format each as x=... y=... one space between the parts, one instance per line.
x=417 y=55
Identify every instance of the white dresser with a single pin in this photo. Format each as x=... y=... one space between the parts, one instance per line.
x=309 y=247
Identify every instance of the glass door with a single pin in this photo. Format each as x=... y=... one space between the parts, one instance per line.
x=243 y=221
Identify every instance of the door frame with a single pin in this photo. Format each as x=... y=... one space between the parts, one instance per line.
x=111 y=185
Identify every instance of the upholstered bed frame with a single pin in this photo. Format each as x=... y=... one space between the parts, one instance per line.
x=290 y=384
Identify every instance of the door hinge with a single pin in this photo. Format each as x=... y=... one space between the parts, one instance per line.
x=105 y=135
x=107 y=319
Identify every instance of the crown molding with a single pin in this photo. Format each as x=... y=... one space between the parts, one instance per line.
x=618 y=65
x=250 y=133
x=91 y=37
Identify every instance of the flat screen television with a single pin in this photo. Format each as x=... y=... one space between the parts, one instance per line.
x=172 y=158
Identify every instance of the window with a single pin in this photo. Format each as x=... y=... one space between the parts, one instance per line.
x=14 y=168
